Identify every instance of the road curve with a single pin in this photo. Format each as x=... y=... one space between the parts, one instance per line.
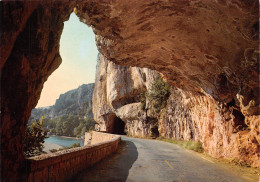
x=141 y=160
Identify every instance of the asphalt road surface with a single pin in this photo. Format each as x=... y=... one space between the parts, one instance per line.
x=140 y=160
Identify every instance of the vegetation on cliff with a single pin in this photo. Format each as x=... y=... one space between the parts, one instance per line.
x=73 y=102
x=157 y=95
x=191 y=145
x=73 y=125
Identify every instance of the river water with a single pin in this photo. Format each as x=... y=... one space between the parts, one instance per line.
x=63 y=141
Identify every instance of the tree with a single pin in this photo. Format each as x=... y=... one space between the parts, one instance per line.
x=67 y=128
x=142 y=97
x=83 y=130
x=78 y=129
x=158 y=94
x=58 y=128
x=34 y=139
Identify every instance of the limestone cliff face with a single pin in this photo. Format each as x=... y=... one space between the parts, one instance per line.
x=68 y=103
x=116 y=95
x=222 y=128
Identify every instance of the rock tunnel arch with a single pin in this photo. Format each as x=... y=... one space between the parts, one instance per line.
x=30 y=42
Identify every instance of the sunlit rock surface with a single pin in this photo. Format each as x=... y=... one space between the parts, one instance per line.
x=116 y=94
x=222 y=128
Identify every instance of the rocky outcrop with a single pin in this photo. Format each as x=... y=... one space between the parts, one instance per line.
x=205 y=48
x=138 y=122
x=69 y=103
x=116 y=95
x=30 y=35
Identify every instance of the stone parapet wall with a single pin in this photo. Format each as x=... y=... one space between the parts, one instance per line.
x=88 y=137
x=64 y=164
x=99 y=137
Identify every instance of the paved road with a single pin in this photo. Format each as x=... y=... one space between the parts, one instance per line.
x=140 y=160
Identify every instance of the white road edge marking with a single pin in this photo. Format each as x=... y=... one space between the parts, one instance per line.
x=201 y=157
x=207 y=159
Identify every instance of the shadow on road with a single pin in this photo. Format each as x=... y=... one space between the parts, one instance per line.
x=114 y=168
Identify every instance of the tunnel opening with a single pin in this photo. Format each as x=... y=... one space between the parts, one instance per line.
x=155 y=131
x=118 y=126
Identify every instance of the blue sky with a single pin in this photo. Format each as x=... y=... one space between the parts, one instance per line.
x=79 y=53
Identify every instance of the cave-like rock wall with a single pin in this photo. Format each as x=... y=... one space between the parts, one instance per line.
x=29 y=54
x=206 y=48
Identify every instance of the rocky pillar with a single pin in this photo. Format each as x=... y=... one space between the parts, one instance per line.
x=29 y=54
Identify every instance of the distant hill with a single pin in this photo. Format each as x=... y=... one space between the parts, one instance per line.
x=74 y=102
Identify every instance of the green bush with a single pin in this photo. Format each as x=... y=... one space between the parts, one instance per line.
x=53 y=150
x=143 y=100
x=158 y=94
x=74 y=145
x=191 y=145
x=34 y=139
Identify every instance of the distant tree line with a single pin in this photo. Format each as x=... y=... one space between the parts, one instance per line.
x=72 y=125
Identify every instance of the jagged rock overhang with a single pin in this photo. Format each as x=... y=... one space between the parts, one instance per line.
x=199 y=46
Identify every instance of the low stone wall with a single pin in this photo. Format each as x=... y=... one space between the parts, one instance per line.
x=96 y=137
x=65 y=164
x=88 y=138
